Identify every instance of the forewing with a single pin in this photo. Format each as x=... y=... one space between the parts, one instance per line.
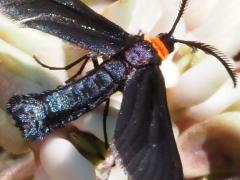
x=144 y=138
x=70 y=20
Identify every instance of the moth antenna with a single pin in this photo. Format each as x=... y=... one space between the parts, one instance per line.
x=226 y=62
x=180 y=13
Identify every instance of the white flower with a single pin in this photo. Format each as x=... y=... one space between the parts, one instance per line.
x=203 y=103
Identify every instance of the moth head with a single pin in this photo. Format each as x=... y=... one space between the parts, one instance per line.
x=168 y=41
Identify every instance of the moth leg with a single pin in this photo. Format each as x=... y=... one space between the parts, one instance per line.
x=105 y=111
x=105 y=115
x=95 y=64
x=140 y=33
x=62 y=68
x=194 y=50
x=79 y=71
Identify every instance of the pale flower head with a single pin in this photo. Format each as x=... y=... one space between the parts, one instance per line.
x=203 y=104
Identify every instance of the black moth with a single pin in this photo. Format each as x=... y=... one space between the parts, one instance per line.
x=143 y=137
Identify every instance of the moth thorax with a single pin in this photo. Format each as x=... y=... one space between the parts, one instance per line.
x=141 y=54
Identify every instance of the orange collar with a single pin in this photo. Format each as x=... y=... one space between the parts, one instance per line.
x=159 y=46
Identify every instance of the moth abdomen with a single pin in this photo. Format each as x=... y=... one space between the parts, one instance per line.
x=29 y=113
x=38 y=114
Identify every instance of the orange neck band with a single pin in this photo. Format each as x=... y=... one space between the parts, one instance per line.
x=159 y=47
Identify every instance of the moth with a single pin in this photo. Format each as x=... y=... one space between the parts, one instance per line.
x=143 y=136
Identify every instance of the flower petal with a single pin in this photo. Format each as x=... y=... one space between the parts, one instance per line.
x=198 y=83
x=221 y=29
x=195 y=17
x=145 y=19
x=62 y=161
x=10 y=137
x=223 y=98
x=134 y=16
x=117 y=173
x=48 y=49
x=167 y=11
x=92 y=122
x=211 y=146
x=120 y=12
x=20 y=74
x=170 y=72
x=40 y=174
x=22 y=168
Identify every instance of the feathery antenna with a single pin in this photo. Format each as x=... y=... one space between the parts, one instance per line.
x=226 y=62
x=180 y=13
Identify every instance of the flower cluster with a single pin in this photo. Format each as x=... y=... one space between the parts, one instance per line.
x=204 y=105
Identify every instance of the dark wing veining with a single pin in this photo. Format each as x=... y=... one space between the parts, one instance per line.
x=144 y=138
x=70 y=20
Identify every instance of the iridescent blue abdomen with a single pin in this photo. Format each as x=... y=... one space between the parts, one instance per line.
x=38 y=114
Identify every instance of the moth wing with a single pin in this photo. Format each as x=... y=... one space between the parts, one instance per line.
x=143 y=137
x=70 y=20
